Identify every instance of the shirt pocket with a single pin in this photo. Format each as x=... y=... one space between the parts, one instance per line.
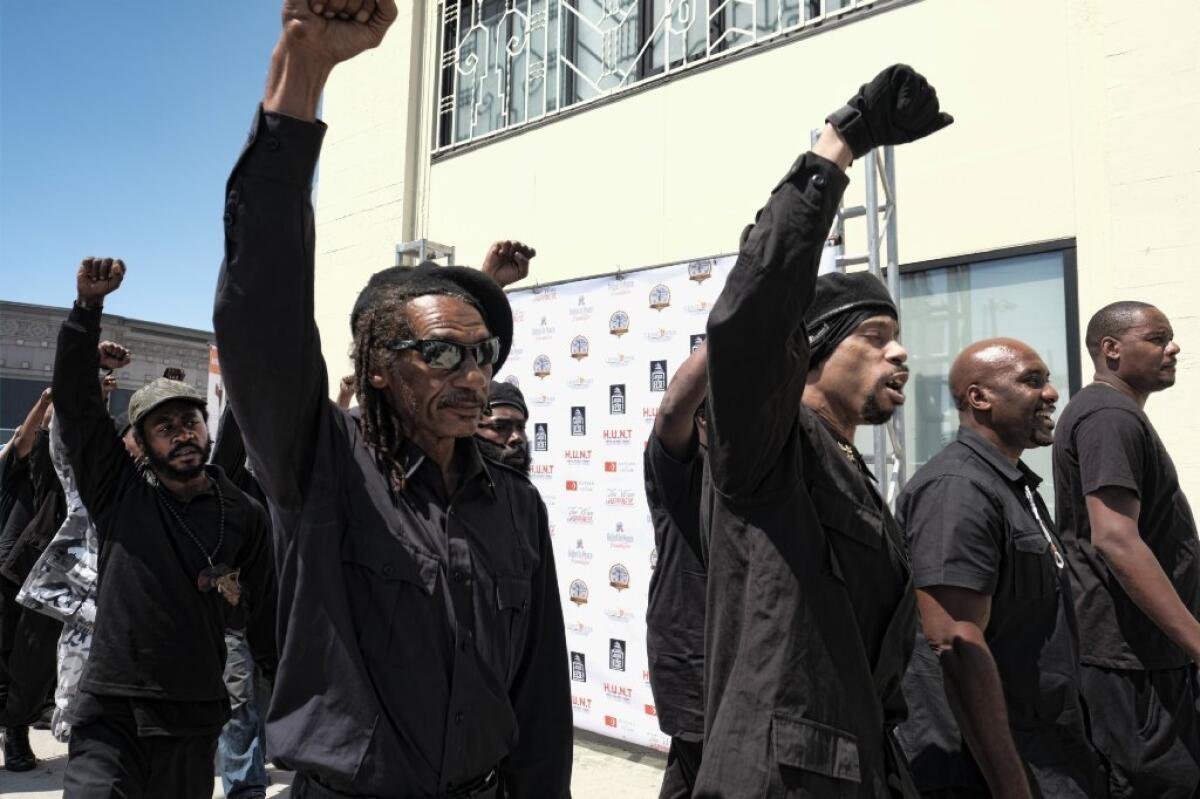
x=390 y=598
x=813 y=760
x=512 y=608
x=1032 y=565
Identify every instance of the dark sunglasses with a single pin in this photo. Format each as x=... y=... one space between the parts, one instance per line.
x=448 y=355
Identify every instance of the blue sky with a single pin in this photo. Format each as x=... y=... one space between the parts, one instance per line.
x=119 y=123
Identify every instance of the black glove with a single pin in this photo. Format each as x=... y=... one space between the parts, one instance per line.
x=898 y=106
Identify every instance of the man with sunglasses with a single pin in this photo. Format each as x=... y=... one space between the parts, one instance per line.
x=502 y=431
x=421 y=640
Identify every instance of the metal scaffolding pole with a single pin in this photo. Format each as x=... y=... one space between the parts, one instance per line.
x=424 y=249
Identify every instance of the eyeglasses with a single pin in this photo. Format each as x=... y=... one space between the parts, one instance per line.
x=449 y=355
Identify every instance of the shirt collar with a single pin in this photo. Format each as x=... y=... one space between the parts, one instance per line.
x=1020 y=473
x=474 y=465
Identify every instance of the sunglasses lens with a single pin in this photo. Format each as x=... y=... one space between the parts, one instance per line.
x=442 y=354
x=489 y=352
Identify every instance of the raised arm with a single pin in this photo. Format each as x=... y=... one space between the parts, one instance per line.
x=675 y=424
x=274 y=374
x=757 y=343
x=22 y=441
x=97 y=456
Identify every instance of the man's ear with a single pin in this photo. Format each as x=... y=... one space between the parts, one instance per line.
x=1110 y=347
x=978 y=398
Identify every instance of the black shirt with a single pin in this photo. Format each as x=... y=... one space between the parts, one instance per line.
x=157 y=637
x=810 y=608
x=1104 y=439
x=421 y=639
x=970 y=521
x=675 y=612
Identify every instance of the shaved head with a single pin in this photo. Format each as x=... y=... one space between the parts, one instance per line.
x=1113 y=320
x=981 y=360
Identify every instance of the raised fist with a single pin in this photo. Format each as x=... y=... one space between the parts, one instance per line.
x=333 y=31
x=97 y=278
x=507 y=261
x=112 y=355
x=898 y=106
x=108 y=384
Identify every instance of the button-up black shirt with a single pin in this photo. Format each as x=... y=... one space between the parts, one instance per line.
x=159 y=642
x=811 y=612
x=675 y=606
x=970 y=524
x=421 y=639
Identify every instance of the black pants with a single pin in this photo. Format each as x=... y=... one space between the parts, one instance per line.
x=1145 y=723
x=107 y=759
x=28 y=651
x=683 y=763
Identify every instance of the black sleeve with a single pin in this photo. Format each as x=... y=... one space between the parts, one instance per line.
x=271 y=361
x=540 y=765
x=955 y=534
x=97 y=455
x=677 y=485
x=1112 y=446
x=757 y=344
x=258 y=577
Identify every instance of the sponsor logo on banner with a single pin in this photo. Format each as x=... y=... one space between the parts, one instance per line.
x=580 y=382
x=619 y=613
x=660 y=297
x=578 y=666
x=582 y=703
x=578 y=420
x=572 y=485
x=618 y=323
x=512 y=379
x=583 y=486
x=579 y=515
x=646 y=676
x=659 y=334
x=518 y=316
x=649 y=413
x=581 y=310
x=579 y=628
x=620 y=498
x=579 y=554
x=543 y=331
x=618 y=436
x=700 y=271
x=618 y=538
x=541 y=437
x=516 y=352
x=654 y=559
x=650 y=710
x=620 y=467
x=618 y=576
x=695 y=340
x=658 y=375
x=700 y=308
x=616 y=399
x=541 y=399
x=541 y=366
x=617 y=691
x=541 y=471
x=618 y=285
x=610 y=721
x=616 y=654
x=578 y=457
x=578 y=592
x=545 y=294
x=579 y=347
x=620 y=359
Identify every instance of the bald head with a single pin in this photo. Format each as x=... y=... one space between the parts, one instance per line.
x=1002 y=389
x=980 y=362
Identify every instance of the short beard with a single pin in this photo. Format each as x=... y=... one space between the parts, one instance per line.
x=163 y=467
x=514 y=457
x=873 y=414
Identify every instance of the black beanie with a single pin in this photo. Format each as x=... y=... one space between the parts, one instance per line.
x=507 y=394
x=842 y=302
x=427 y=276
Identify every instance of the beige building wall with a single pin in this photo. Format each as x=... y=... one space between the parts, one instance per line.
x=1075 y=118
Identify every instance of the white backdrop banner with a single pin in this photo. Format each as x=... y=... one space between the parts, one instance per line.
x=593 y=358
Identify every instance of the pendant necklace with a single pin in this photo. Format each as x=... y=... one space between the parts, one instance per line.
x=218 y=576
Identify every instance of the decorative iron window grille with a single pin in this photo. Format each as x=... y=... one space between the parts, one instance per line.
x=506 y=63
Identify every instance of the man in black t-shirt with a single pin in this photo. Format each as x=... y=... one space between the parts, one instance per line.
x=1133 y=558
x=674 y=470
x=993 y=687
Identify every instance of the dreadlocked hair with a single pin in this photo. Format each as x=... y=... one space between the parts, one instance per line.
x=381 y=317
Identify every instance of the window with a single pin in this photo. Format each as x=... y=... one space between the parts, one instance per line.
x=945 y=306
x=505 y=63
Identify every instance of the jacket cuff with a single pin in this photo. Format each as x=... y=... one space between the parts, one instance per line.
x=282 y=148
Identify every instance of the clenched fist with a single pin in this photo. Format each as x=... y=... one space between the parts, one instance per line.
x=112 y=355
x=333 y=31
x=507 y=261
x=896 y=107
x=97 y=278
